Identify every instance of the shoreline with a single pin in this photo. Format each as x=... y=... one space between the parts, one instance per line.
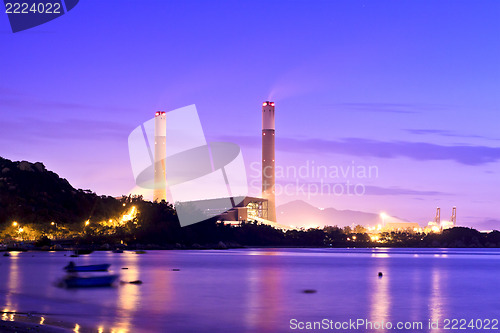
x=26 y=326
x=159 y=248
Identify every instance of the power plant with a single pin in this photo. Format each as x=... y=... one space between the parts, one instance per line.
x=268 y=163
x=160 y=156
x=262 y=210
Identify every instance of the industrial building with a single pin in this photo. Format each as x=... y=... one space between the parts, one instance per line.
x=437 y=225
x=261 y=209
x=402 y=226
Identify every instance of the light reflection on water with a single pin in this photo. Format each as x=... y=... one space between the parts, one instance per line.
x=128 y=295
x=13 y=287
x=381 y=296
x=438 y=301
x=264 y=294
x=256 y=290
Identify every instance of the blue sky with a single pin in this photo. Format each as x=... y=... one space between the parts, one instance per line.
x=411 y=87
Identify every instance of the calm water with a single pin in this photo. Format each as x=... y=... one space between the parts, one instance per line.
x=260 y=290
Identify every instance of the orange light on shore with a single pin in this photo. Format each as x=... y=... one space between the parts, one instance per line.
x=14 y=224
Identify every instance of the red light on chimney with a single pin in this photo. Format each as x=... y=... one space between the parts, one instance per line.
x=264 y=104
x=272 y=103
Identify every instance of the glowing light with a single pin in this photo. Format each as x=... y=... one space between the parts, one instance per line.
x=100 y=329
x=21 y=229
x=130 y=216
x=4 y=315
x=42 y=319
x=87 y=222
x=77 y=328
x=272 y=103
x=354 y=237
x=264 y=104
x=14 y=224
x=53 y=223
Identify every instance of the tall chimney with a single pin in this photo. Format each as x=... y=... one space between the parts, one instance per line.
x=268 y=165
x=160 y=156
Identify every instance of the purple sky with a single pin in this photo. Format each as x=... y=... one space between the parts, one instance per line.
x=409 y=87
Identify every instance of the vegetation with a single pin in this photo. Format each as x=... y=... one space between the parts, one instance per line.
x=37 y=206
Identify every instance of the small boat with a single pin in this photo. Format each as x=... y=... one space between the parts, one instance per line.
x=83 y=251
x=87 y=282
x=87 y=268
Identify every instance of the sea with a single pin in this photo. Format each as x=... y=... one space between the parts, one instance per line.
x=261 y=290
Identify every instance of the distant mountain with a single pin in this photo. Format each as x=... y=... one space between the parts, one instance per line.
x=29 y=193
x=485 y=225
x=300 y=213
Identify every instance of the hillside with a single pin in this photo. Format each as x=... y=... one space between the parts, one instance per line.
x=29 y=193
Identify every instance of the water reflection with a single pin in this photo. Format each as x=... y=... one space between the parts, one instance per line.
x=264 y=293
x=381 y=296
x=253 y=293
x=13 y=287
x=437 y=301
x=128 y=295
x=380 y=253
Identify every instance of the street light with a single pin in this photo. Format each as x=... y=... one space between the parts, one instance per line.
x=383 y=216
x=14 y=224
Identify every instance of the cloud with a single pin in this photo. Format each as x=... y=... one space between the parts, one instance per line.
x=486 y=224
x=420 y=151
x=375 y=190
x=31 y=103
x=14 y=99
x=448 y=133
x=67 y=129
x=403 y=108
x=369 y=189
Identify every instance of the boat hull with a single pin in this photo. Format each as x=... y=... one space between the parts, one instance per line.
x=89 y=282
x=88 y=268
